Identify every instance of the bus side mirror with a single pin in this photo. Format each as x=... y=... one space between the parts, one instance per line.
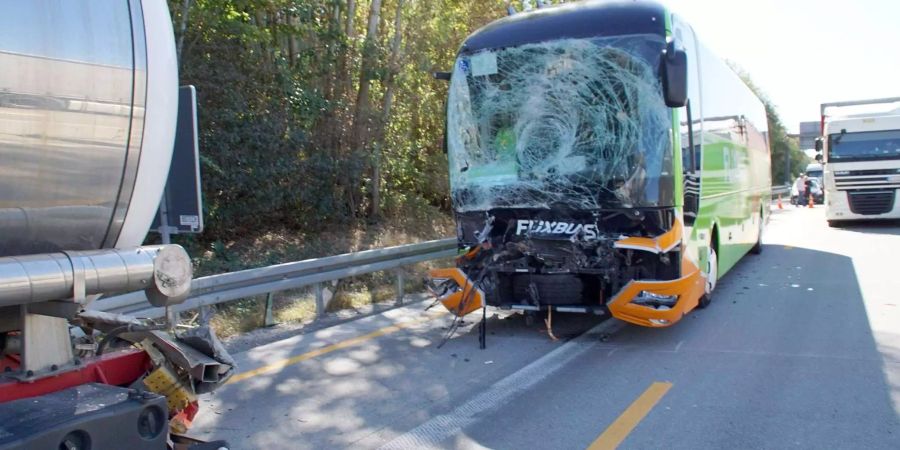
x=674 y=76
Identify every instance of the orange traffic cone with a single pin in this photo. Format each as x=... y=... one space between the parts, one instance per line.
x=810 y=201
x=779 y=202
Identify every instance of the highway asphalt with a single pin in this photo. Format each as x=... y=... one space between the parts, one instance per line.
x=799 y=349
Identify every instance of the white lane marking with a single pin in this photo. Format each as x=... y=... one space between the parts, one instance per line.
x=439 y=428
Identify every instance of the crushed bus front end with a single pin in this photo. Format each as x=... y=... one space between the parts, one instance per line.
x=563 y=168
x=627 y=263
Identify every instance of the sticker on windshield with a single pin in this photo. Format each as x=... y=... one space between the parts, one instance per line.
x=484 y=63
x=463 y=65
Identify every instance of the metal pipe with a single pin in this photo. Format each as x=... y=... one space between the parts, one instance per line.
x=163 y=271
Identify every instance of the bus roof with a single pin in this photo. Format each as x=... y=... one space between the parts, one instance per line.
x=570 y=20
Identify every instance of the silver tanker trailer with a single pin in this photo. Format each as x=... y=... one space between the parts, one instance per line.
x=88 y=107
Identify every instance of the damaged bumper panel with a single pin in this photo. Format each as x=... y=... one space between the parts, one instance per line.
x=455 y=291
x=629 y=264
x=663 y=243
x=633 y=277
x=657 y=303
x=181 y=366
x=595 y=310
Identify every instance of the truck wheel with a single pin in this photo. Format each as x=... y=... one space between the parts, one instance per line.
x=712 y=273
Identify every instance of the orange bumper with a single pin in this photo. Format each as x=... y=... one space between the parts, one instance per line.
x=688 y=289
x=463 y=300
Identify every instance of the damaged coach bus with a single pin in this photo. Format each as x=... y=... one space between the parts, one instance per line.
x=601 y=160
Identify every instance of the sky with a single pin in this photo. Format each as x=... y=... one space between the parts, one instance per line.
x=802 y=53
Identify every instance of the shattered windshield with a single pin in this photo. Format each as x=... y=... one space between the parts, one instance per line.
x=577 y=123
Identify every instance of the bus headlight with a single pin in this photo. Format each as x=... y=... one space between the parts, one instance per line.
x=646 y=298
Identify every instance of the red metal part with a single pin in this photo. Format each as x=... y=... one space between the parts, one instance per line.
x=184 y=419
x=118 y=368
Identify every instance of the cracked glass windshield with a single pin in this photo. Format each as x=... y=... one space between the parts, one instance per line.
x=578 y=123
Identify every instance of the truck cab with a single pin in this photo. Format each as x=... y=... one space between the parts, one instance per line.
x=861 y=155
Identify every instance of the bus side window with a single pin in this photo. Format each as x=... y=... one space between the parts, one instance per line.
x=690 y=163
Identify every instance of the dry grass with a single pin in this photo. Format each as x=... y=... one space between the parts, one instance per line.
x=297 y=311
x=298 y=306
x=280 y=246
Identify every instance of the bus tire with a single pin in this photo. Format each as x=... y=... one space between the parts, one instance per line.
x=712 y=273
x=757 y=249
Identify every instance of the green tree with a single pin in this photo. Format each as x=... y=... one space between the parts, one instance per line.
x=781 y=144
x=320 y=112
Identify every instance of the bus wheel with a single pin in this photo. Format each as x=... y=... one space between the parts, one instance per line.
x=712 y=273
x=757 y=249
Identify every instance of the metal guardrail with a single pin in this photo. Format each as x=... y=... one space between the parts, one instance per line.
x=215 y=289
x=221 y=288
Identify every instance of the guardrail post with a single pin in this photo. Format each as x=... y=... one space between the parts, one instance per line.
x=400 y=286
x=171 y=318
x=206 y=313
x=268 y=320
x=320 y=301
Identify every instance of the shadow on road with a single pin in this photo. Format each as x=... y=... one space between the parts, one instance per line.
x=784 y=355
x=873 y=227
x=384 y=385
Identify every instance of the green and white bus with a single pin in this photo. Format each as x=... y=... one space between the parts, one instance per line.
x=601 y=159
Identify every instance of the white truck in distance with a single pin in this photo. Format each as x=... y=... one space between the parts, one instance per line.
x=861 y=143
x=814 y=170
